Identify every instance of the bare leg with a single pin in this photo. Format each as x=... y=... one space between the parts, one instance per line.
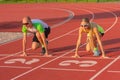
x=88 y=49
x=39 y=38
x=91 y=44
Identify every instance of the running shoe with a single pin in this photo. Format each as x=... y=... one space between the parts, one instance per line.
x=96 y=53
x=46 y=41
x=43 y=50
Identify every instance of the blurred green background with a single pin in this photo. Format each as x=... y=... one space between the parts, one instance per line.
x=40 y=1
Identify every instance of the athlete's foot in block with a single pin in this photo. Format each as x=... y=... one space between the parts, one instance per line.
x=43 y=51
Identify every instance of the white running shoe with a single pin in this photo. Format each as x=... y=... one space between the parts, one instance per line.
x=96 y=53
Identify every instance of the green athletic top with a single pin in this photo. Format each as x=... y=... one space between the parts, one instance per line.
x=36 y=27
x=100 y=29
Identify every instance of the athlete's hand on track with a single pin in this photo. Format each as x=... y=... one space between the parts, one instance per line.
x=76 y=55
x=24 y=54
x=47 y=55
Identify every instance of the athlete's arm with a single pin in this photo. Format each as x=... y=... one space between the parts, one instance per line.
x=24 y=43
x=41 y=30
x=44 y=42
x=78 y=41
x=99 y=40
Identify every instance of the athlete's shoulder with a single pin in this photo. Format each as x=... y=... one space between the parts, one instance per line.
x=81 y=29
x=35 y=20
x=24 y=29
x=93 y=24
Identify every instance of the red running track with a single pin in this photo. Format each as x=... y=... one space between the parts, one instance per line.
x=64 y=20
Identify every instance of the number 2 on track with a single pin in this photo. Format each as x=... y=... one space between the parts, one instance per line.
x=22 y=60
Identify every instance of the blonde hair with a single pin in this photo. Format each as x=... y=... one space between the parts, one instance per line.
x=86 y=20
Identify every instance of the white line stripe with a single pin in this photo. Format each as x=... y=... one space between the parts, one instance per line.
x=103 y=69
x=71 y=15
x=70 y=57
x=13 y=54
x=113 y=71
x=4 y=54
x=98 y=58
x=15 y=67
x=69 y=69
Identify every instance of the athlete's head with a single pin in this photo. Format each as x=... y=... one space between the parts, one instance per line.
x=27 y=21
x=85 y=23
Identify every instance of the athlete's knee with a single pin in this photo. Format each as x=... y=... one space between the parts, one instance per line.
x=88 y=50
x=34 y=48
x=88 y=47
x=37 y=34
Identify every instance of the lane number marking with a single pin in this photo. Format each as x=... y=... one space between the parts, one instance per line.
x=85 y=63
x=22 y=60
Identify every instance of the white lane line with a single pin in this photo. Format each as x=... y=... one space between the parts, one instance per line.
x=4 y=54
x=103 y=69
x=20 y=67
x=70 y=57
x=52 y=59
x=79 y=70
x=72 y=34
x=111 y=71
x=13 y=54
x=97 y=58
x=68 y=19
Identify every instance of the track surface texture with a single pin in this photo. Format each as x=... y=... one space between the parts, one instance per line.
x=64 y=20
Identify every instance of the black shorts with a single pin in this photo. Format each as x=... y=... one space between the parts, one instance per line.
x=102 y=34
x=47 y=32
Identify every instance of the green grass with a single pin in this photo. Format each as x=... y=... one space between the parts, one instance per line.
x=34 y=1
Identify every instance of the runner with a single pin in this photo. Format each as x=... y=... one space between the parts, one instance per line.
x=40 y=30
x=94 y=34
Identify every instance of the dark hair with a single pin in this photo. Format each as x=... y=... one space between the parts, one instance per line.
x=86 y=20
x=28 y=18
